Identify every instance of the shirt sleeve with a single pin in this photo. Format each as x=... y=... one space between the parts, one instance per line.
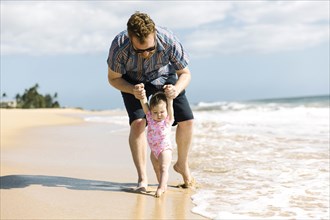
x=115 y=58
x=179 y=57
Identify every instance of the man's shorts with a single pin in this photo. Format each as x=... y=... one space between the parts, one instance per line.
x=182 y=110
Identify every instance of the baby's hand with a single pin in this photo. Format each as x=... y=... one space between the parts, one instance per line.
x=139 y=91
x=170 y=91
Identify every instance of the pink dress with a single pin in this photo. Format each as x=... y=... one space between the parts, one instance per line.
x=158 y=134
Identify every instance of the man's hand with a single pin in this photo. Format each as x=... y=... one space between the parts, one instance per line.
x=171 y=91
x=139 y=91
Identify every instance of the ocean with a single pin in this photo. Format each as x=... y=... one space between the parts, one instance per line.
x=262 y=159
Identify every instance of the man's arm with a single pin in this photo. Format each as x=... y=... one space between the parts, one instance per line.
x=184 y=78
x=115 y=79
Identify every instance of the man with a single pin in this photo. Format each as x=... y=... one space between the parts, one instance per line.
x=145 y=53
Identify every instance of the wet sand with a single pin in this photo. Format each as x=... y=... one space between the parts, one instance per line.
x=56 y=166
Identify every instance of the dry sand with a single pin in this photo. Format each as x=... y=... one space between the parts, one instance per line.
x=56 y=166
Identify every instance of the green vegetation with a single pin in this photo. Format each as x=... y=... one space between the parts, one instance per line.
x=31 y=98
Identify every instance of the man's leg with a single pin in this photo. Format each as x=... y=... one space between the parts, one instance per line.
x=184 y=133
x=138 y=145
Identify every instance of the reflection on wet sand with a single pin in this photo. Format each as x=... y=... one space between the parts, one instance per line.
x=166 y=207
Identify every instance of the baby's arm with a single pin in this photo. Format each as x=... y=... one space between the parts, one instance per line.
x=144 y=104
x=144 y=100
x=170 y=110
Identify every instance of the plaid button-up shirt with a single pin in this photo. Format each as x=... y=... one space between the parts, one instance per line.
x=168 y=57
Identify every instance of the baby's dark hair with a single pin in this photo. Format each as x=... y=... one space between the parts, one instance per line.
x=156 y=98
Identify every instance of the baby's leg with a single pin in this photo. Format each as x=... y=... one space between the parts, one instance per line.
x=156 y=165
x=165 y=159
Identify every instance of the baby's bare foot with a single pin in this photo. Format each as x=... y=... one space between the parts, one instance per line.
x=159 y=192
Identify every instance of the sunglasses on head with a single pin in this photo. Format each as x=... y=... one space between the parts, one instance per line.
x=145 y=50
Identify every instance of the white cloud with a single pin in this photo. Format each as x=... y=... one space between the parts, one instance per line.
x=186 y=15
x=282 y=12
x=264 y=27
x=56 y=27
x=256 y=38
x=207 y=28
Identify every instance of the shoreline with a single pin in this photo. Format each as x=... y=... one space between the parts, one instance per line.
x=54 y=165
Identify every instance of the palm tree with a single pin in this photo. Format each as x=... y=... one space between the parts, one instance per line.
x=31 y=98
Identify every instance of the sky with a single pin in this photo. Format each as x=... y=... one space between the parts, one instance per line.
x=239 y=50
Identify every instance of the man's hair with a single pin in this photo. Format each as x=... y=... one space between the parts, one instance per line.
x=140 y=25
x=157 y=98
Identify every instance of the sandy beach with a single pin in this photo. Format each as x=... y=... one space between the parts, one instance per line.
x=54 y=165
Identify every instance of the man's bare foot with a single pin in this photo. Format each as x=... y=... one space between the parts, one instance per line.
x=141 y=187
x=142 y=184
x=188 y=180
x=191 y=184
x=159 y=192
